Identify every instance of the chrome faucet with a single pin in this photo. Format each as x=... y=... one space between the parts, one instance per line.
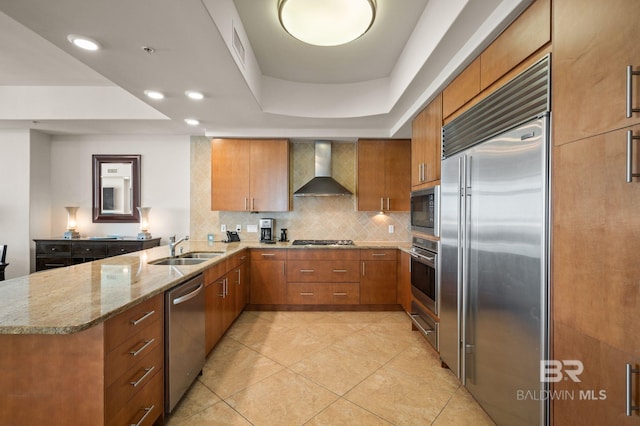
x=173 y=243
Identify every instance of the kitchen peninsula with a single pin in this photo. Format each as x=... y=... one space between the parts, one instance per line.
x=62 y=330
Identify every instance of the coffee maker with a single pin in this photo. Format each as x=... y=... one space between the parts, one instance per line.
x=267 y=231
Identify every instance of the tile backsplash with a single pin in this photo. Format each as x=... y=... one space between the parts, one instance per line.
x=310 y=217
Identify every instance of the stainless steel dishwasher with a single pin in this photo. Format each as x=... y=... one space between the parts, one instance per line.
x=184 y=338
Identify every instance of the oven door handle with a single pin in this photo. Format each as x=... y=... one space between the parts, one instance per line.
x=424 y=259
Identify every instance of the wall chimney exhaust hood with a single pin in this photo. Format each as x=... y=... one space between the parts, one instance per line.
x=322 y=185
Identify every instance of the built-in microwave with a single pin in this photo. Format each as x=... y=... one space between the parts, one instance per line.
x=425 y=211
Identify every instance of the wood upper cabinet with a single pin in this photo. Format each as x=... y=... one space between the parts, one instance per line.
x=461 y=90
x=594 y=42
x=426 y=145
x=384 y=180
x=378 y=283
x=596 y=287
x=530 y=32
x=250 y=175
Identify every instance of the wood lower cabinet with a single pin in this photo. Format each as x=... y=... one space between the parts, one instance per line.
x=384 y=178
x=250 y=175
x=378 y=282
x=426 y=145
x=55 y=253
x=596 y=287
x=404 y=280
x=268 y=277
x=86 y=377
x=323 y=277
x=593 y=43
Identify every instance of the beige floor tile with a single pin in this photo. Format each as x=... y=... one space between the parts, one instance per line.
x=252 y=330
x=402 y=399
x=216 y=415
x=197 y=398
x=343 y=412
x=228 y=371
x=291 y=346
x=421 y=360
x=336 y=368
x=285 y=398
x=372 y=346
x=463 y=410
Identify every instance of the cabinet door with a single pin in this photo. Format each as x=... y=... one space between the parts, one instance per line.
x=371 y=175
x=269 y=175
x=426 y=145
x=213 y=294
x=230 y=171
x=461 y=90
x=378 y=282
x=404 y=280
x=268 y=284
x=596 y=297
x=593 y=43
x=397 y=158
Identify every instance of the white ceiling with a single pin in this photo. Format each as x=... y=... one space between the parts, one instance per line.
x=372 y=87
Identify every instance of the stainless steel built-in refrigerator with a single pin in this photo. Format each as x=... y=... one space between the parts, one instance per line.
x=494 y=244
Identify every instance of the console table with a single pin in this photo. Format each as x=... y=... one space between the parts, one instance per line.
x=55 y=253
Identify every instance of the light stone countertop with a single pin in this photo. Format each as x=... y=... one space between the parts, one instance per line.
x=74 y=298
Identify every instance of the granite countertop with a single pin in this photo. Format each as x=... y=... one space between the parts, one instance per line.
x=74 y=298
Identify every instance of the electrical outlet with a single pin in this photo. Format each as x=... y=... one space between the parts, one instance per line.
x=391 y=229
x=223 y=228
x=238 y=228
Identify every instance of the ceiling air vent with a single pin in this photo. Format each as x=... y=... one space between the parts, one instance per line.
x=237 y=45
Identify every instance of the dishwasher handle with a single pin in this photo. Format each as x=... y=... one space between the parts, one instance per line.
x=188 y=296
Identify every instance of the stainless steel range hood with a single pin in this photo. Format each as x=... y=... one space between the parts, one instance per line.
x=322 y=185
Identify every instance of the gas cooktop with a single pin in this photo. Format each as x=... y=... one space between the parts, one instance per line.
x=322 y=243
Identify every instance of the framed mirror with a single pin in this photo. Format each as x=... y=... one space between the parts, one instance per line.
x=116 y=188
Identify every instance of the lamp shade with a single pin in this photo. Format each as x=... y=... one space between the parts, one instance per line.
x=326 y=22
x=144 y=223
x=71 y=232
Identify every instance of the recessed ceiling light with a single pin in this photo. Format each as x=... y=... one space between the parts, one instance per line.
x=327 y=22
x=83 y=42
x=191 y=121
x=154 y=94
x=194 y=95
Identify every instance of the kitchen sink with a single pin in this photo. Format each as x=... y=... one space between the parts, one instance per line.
x=174 y=261
x=201 y=255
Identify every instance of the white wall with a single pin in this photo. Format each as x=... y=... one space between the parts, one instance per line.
x=39 y=189
x=14 y=199
x=165 y=182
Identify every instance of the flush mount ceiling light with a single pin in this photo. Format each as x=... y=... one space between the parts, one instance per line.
x=326 y=22
x=194 y=95
x=191 y=121
x=83 y=42
x=154 y=94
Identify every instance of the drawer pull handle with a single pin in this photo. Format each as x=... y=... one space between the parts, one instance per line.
x=142 y=318
x=144 y=346
x=122 y=250
x=147 y=411
x=147 y=371
x=307 y=271
x=629 y=100
x=268 y=254
x=630 y=139
x=342 y=271
x=54 y=264
x=629 y=390
x=339 y=294
x=306 y=294
x=379 y=254
x=53 y=249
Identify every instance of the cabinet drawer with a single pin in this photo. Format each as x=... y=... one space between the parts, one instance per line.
x=81 y=249
x=237 y=259
x=382 y=254
x=323 y=293
x=261 y=254
x=57 y=248
x=51 y=262
x=126 y=324
x=133 y=349
x=147 y=402
x=323 y=254
x=122 y=248
x=133 y=381
x=323 y=271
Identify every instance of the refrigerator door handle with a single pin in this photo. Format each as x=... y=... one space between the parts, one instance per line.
x=467 y=323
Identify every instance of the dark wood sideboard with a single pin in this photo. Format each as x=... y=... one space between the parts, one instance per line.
x=56 y=253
